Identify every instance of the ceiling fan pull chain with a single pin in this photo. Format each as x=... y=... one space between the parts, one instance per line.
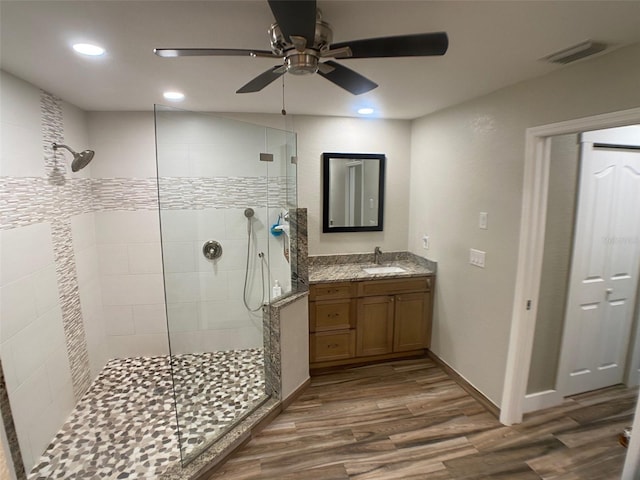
x=284 y=112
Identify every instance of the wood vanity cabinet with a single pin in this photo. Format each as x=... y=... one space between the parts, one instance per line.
x=355 y=322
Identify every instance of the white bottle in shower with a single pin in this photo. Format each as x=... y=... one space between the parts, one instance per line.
x=277 y=289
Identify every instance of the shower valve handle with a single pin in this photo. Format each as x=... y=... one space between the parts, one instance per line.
x=212 y=250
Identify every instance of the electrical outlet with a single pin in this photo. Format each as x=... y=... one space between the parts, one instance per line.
x=425 y=242
x=476 y=257
x=483 y=221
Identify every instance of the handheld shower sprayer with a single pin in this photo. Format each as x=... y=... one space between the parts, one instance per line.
x=80 y=160
x=249 y=212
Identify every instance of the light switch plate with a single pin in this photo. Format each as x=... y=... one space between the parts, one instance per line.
x=476 y=257
x=483 y=221
x=425 y=242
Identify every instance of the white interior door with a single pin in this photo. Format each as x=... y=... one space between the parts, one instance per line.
x=605 y=267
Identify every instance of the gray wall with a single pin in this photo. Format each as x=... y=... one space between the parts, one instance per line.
x=470 y=158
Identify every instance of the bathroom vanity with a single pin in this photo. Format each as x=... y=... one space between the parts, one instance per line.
x=356 y=316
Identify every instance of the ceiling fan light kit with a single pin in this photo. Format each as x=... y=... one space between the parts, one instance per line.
x=301 y=39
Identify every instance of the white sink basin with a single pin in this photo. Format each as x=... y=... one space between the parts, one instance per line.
x=375 y=270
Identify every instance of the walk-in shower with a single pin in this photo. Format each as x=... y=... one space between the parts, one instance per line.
x=186 y=364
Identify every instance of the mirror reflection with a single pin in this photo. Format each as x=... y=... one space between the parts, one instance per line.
x=353 y=192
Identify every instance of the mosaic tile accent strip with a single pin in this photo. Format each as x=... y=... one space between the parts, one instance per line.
x=124 y=194
x=125 y=426
x=28 y=200
x=10 y=429
x=64 y=197
x=70 y=305
x=52 y=132
x=220 y=192
x=24 y=201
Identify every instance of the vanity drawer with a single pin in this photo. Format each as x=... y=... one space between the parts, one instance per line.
x=333 y=345
x=394 y=286
x=332 y=315
x=326 y=291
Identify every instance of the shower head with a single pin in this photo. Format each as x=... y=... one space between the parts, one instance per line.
x=248 y=212
x=80 y=160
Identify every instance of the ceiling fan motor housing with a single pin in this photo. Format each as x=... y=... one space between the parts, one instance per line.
x=301 y=59
x=301 y=63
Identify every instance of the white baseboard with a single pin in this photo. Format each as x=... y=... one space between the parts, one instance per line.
x=541 y=400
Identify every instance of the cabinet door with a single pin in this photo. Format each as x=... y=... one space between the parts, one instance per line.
x=374 y=326
x=411 y=328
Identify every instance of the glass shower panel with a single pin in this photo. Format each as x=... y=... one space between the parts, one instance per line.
x=215 y=223
x=282 y=198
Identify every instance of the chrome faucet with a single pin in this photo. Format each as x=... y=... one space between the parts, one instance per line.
x=377 y=253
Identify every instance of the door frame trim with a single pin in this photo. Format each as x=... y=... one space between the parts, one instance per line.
x=530 y=251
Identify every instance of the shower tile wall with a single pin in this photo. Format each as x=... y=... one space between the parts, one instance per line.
x=215 y=173
x=198 y=290
x=128 y=247
x=33 y=347
x=42 y=342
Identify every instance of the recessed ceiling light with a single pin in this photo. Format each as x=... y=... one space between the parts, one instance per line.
x=88 y=49
x=173 y=96
x=365 y=111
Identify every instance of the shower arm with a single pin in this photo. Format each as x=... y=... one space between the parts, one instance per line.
x=60 y=145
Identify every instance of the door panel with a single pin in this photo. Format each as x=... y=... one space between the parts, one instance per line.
x=604 y=273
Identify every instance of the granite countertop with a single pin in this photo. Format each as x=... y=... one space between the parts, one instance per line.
x=342 y=268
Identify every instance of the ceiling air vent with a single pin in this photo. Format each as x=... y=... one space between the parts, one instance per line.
x=576 y=52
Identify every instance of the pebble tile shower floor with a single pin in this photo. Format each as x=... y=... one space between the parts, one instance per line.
x=125 y=425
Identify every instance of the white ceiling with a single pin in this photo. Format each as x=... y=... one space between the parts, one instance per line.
x=491 y=45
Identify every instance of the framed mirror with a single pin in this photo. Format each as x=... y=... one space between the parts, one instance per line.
x=352 y=192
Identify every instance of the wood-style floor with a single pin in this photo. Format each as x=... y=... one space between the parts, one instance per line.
x=408 y=420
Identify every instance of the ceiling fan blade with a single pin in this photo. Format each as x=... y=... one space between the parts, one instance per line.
x=212 y=52
x=348 y=79
x=263 y=80
x=295 y=18
x=415 y=45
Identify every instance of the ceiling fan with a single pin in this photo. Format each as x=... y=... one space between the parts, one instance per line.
x=301 y=39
